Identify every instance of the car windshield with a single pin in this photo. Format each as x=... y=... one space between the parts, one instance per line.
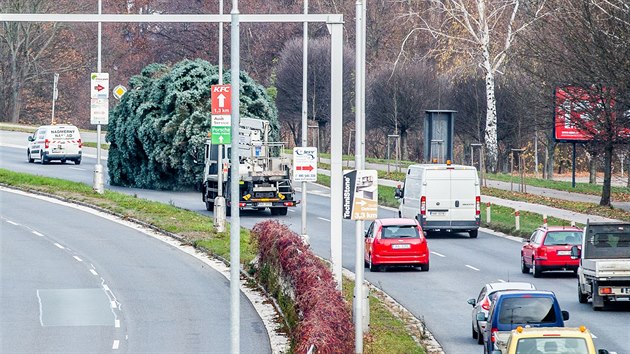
x=565 y=345
x=608 y=245
x=555 y=238
x=400 y=231
x=527 y=309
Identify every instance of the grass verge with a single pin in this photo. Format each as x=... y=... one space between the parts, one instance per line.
x=387 y=334
x=93 y=145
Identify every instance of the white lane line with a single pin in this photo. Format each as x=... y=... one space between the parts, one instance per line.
x=501 y=280
x=438 y=254
x=93 y=272
x=77 y=168
x=116 y=344
x=291 y=210
x=105 y=287
x=41 y=313
x=12 y=223
x=113 y=303
x=594 y=336
x=77 y=258
x=323 y=219
x=471 y=267
x=117 y=323
x=60 y=246
x=38 y=233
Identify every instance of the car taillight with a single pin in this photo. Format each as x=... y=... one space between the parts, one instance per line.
x=541 y=252
x=241 y=205
x=423 y=205
x=46 y=143
x=486 y=304
x=80 y=143
x=288 y=203
x=477 y=205
x=493 y=332
x=605 y=291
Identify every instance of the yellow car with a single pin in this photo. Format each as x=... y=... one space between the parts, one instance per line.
x=548 y=340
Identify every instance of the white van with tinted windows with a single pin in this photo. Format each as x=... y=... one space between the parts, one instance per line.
x=55 y=142
x=442 y=197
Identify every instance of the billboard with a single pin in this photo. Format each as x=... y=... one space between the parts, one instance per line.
x=575 y=114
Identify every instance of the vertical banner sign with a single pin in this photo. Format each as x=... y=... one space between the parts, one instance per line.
x=305 y=164
x=360 y=195
x=221 y=102
x=99 y=93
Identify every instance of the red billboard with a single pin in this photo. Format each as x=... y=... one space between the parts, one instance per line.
x=576 y=114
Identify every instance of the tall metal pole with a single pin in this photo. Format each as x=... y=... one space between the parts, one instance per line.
x=304 y=115
x=56 y=80
x=235 y=225
x=220 y=148
x=98 y=168
x=359 y=162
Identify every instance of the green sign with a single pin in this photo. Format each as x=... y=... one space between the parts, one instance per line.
x=221 y=135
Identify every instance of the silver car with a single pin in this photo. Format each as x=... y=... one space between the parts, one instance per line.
x=482 y=303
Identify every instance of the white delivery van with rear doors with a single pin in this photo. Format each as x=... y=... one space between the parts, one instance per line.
x=55 y=142
x=443 y=197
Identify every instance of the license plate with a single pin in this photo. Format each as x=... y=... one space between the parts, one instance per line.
x=625 y=290
x=564 y=253
x=438 y=213
x=265 y=204
x=400 y=246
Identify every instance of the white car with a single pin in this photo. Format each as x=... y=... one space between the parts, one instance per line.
x=55 y=142
x=482 y=303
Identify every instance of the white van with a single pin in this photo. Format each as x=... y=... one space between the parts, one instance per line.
x=55 y=142
x=443 y=197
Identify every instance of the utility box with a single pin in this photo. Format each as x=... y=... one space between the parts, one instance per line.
x=439 y=127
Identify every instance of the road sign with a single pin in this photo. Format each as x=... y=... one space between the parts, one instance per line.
x=221 y=99
x=99 y=87
x=304 y=164
x=221 y=128
x=119 y=91
x=360 y=195
x=99 y=111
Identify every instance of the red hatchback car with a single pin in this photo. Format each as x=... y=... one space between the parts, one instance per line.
x=549 y=248
x=396 y=242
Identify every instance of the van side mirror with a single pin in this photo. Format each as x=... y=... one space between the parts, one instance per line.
x=575 y=252
x=30 y=138
x=565 y=315
x=481 y=316
x=602 y=351
x=472 y=302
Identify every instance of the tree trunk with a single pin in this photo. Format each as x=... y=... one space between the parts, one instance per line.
x=550 y=160
x=404 y=151
x=15 y=92
x=608 y=154
x=491 y=120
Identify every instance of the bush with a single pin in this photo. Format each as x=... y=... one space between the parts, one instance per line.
x=325 y=320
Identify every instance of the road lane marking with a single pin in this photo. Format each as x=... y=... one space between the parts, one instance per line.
x=60 y=246
x=438 y=254
x=41 y=312
x=594 y=336
x=77 y=168
x=93 y=272
x=117 y=323
x=323 y=219
x=291 y=210
x=105 y=287
x=114 y=306
x=77 y=258
x=471 y=267
x=12 y=223
x=38 y=233
x=116 y=344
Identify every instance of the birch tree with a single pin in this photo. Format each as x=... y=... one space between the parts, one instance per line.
x=483 y=32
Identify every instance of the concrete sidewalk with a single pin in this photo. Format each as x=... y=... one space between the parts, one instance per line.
x=522 y=206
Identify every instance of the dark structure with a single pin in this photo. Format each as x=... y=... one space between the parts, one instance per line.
x=438 y=135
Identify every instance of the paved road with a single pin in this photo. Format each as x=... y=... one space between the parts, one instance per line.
x=459 y=268
x=74 y=282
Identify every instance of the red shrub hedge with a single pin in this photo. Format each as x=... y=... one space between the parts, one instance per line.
x=325 y=319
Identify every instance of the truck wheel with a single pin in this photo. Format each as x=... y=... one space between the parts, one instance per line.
x=536 y=269
x=77 y=161
x=524 y=267
x=43 y=158
x=582 y=298
x=209 y=204
x=283 y=211
x=473 y=233
x=373 y=267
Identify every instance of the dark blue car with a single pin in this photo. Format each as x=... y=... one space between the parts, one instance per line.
x=513 y=308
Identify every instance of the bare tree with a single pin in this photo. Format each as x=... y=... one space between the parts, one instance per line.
x=482 y=31
x=398 y=97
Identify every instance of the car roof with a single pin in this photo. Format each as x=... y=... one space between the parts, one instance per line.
x=397 y=221
x=511 y=286
x=563 y=228
x=535 y=332
x=517 y=293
